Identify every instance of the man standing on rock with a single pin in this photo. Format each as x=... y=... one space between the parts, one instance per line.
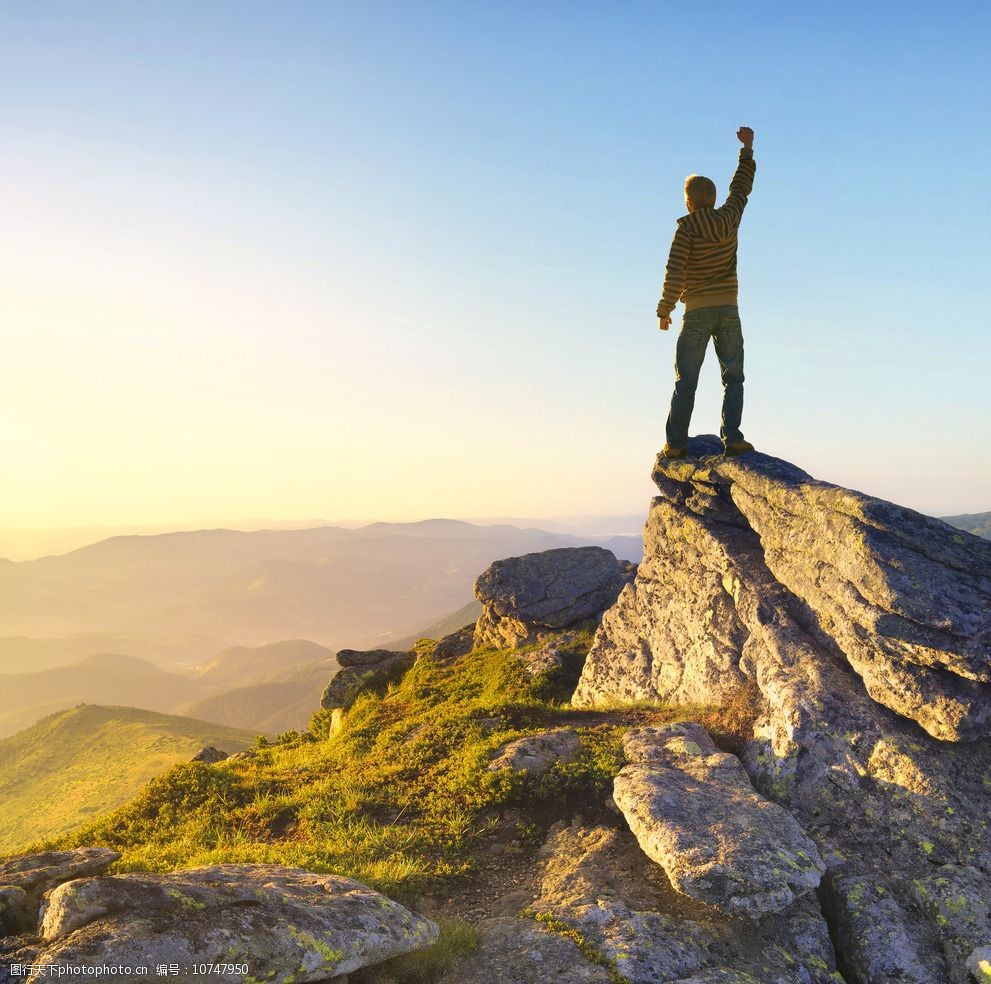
x=701 y=272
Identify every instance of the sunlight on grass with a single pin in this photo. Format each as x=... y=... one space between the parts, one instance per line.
x=398 y=798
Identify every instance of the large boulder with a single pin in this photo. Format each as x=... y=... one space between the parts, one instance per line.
x=902 y=599
x=524 y=598
x=264 y=921
x=24 y=879
x=693 y=811
x=862 y=629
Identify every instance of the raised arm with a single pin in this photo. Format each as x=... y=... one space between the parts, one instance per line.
x=743 y=181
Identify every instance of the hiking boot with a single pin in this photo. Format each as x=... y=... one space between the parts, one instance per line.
x=737 y=448
x=670 y=452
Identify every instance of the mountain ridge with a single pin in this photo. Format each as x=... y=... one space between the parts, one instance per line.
x=212 y=589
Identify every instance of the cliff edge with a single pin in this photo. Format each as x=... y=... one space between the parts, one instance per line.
x=859 y=634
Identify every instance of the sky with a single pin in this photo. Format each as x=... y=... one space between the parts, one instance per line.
x=398 y=260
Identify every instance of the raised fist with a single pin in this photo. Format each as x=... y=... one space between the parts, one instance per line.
x=746 y=136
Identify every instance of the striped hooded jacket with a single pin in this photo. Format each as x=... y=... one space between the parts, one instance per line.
x=701 y=267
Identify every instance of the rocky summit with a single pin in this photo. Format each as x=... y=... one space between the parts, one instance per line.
x=746 y=556
x=858 y=635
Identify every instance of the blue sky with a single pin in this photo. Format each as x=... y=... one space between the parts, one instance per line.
x=395 y=260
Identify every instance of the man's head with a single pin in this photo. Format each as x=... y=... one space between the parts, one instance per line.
x=699 y=192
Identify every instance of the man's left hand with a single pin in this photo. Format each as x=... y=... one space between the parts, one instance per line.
x=664 y=322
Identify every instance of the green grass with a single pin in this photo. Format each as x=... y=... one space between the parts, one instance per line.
x=58 y=774
x=397 y=798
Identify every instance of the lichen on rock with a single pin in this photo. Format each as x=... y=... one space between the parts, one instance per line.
x=284 y=923
x=694 y=812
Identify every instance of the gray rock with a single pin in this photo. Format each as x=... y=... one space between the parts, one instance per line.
x=904 y=599
x=707 y=621
x=456 y=644
x=369 y=657
x=521 y=951
x=209 y=755
x=24 y=878
x=15 y=951
x=693 y=811
x=957 y=899
x=593 y=882
x=874 y=935
x=360 y=670
x=554 y=654
x=248 y=753
x=286 y=924
x=524 y=597
x=720 y=976
x=15 y=916
x=537 y=753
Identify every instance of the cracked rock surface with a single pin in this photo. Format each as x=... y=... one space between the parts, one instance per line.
x=862 y=631
x=596 y=881
x=24 y=879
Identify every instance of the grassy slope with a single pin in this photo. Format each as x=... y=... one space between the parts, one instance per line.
x=400 y=798
x=395 y=799
x=58 y=774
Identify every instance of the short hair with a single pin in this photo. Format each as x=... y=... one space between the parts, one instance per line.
x=700 y=190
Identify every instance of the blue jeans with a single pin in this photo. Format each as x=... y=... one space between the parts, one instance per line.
x=723 y=324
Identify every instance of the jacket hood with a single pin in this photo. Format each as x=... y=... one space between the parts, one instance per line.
x=707 y=225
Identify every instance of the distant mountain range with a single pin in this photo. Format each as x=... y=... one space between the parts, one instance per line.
x=29 y=544
x=181 y=597
x=87 y=760
x=266 y=689
x=100 y=678
x=281 y=703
